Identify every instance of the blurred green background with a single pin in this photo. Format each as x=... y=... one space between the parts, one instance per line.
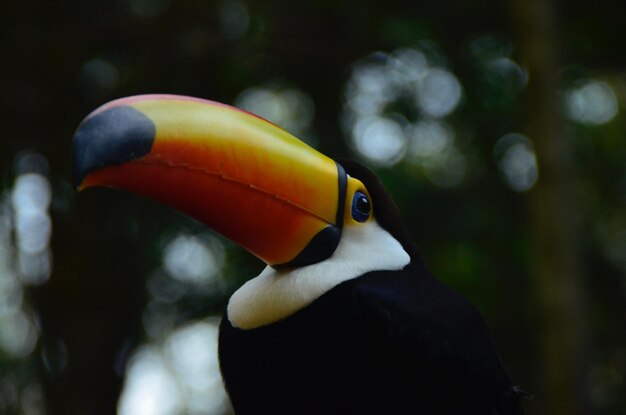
x=498 y=126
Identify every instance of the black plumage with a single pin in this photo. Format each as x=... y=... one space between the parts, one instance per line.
x=385 y=342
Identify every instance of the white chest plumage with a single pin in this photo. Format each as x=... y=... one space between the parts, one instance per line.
x=276 y=294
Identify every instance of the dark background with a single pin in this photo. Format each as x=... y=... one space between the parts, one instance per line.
x=545 y=262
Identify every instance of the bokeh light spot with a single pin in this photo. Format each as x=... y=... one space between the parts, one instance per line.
x=506 y=73
x=150 y=388
x=34 y=228
x=178 y=375
x=30 y=199
x=35 y=268
x=191 y=259
x=18 y=336
x=408 y=66
x=31 y=191
x=439 y=93
x=159 y=318
x=391 y=103
x=381 y=140
x=593 y=102
x=516 y=159
x=370 y=89
x=429 y=138
x=192 y=352
x=289 y=108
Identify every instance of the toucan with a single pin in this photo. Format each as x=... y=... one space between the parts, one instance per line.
x=345 y=318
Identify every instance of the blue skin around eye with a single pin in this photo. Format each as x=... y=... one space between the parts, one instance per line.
x=358 y=214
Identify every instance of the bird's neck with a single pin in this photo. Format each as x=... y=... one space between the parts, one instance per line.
x=276 y=294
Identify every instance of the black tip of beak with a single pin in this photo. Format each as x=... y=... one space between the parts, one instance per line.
x=112 y=136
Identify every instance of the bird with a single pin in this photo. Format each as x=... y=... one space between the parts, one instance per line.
x=345 y=318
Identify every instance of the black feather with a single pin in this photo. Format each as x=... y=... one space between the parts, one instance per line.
x=387 y=342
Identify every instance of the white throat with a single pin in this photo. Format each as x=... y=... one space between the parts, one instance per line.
x=276 y=294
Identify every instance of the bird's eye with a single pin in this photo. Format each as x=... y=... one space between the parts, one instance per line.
x=361 y=207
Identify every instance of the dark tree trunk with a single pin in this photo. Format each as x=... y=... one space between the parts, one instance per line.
x=557 y=273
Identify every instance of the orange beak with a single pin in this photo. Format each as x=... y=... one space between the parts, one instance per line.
x=241 y=175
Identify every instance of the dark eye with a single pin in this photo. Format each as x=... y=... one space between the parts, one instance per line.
x=361 y=207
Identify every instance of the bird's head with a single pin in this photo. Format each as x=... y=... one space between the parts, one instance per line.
x=320 y=221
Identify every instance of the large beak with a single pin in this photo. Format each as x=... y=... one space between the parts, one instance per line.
x=240 y=174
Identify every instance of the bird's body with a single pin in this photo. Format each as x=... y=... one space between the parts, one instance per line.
x=345 y=319
x=386 y=342
x=392 y=340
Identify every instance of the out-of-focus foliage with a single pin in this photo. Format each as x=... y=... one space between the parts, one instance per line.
x=105 y=294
